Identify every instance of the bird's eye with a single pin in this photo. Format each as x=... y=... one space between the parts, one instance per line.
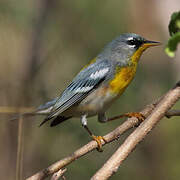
x=134 y=42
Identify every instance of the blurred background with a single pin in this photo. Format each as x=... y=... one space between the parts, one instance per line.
x=43 y=44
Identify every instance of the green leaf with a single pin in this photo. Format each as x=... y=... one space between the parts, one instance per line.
x=174 y=25
x=172 y=44
x=174 y=31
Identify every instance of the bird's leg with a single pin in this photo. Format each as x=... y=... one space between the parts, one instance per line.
x=96 y=138
x=102 y=117
x=138 y=115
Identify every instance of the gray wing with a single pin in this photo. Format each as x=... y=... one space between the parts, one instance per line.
x=47 y=107
x=83 y=84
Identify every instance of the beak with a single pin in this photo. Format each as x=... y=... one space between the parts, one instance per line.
x=150 y=43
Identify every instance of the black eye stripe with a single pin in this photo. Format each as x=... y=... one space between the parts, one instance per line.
x=131 y=42
x=135 y=42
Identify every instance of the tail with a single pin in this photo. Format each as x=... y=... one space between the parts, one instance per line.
x=56 y=121
x=44 y=109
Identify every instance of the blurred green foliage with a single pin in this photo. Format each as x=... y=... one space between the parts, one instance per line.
x=174 y=31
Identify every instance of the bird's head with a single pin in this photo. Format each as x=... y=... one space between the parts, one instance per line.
x=127 y=47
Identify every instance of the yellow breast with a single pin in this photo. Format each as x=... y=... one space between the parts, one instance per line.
x=123 y=77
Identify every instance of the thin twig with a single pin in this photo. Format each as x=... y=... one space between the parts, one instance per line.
x=30 y=67
x=173 y=112
x=92 y=145
x=130 y=123
x=16 y=110
x=112 y=165
x=19 y=160
x=58 y=174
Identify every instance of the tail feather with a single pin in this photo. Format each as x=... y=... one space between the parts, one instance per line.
x=45 y=120
x=58 y=120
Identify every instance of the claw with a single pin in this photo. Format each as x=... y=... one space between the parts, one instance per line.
x=98 y=140
x=138 y=115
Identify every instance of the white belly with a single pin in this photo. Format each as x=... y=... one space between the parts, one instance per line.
x=98 y=101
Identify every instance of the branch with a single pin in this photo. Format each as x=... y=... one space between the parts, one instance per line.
x=130 y=123
x=112 y=165
x=58 y=174
x=90 y=146
x=172 y=112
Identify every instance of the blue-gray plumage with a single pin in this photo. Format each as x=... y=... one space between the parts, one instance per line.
x=47 y=106
x=79 y=88
x=96 y=86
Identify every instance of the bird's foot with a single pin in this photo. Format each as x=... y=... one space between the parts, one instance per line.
x=138 y=115
x=99 y=139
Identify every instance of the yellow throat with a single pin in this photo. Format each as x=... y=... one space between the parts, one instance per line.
x=124 y=75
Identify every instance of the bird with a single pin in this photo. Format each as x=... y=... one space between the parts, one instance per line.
x=99 y=84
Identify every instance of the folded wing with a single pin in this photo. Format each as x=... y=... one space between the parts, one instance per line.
x=82 y=85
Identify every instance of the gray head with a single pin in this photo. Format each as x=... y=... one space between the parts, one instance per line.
x=124 y=47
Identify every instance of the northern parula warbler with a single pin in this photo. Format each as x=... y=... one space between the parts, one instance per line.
x=99 y=83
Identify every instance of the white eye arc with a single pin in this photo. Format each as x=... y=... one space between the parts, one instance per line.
x=132 y=45
x=130 y=38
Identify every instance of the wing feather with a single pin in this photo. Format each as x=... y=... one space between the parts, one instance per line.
x=81 y=86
